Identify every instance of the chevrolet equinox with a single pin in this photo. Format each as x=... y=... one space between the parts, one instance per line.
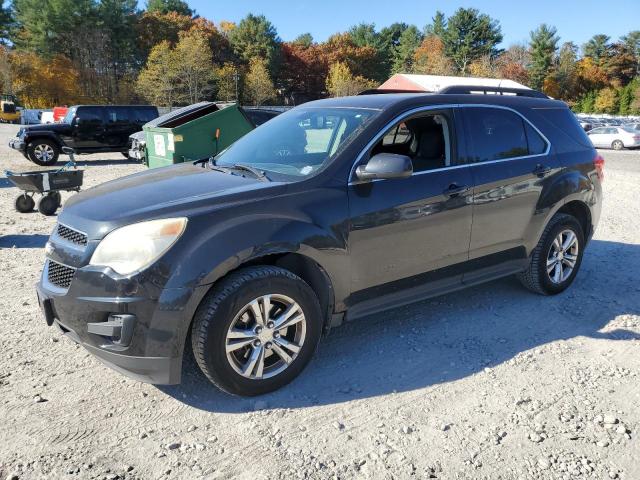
x=334 y=210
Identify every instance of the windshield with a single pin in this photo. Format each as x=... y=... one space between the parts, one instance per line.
x=299 y=142
x=69 y=116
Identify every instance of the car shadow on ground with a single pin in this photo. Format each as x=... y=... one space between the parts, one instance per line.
x=35 y=240
x=447 y=338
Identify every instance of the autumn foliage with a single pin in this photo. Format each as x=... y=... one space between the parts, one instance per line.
x=110 y=51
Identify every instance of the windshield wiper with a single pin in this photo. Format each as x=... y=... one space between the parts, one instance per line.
x=259 y=174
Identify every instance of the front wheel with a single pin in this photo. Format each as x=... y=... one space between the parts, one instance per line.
x=43 y=152
x=617 y=145
x=555 y=261
x=257 y=330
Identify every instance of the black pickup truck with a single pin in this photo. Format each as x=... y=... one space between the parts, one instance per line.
x=86 y=129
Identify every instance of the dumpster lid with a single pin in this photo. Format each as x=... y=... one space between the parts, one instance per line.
x=183 y=115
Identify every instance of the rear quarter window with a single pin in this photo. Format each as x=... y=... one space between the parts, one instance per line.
x=564 y=120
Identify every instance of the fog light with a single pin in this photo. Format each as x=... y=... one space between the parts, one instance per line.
x=118 y=328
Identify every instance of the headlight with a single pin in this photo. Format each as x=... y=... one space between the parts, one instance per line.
x=134 y=247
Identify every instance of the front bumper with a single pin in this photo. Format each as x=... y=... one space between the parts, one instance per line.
x=137 y=154
x=153 y=352
x=17 y=144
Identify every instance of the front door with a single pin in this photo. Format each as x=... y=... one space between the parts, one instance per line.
x=405 y=232
x=88 y=128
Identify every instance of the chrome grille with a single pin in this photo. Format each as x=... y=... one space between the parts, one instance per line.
x=71 y=235
x=60 y=275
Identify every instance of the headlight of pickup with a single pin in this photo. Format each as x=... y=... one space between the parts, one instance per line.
x=134 y=247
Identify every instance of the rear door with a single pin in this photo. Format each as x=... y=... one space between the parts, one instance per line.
x=119 y=125
x=510 y=159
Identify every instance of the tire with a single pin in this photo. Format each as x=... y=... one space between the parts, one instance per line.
x=43 y=152
x=57 y=197
x=48 y=204
x=223 y=309
x=617 y=145
x=24 y=204
x=537 y=277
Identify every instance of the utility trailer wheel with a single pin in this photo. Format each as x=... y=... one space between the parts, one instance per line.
x=24 y=203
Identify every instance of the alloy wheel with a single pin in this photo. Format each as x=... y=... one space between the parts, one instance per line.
x=562 y=256
x=266 y=336
x=43 y=152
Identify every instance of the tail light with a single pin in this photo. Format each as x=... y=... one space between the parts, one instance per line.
x=598 y=162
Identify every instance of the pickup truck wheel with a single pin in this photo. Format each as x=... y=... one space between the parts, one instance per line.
x=556 y=259
x=256 y=330
x=43 y=152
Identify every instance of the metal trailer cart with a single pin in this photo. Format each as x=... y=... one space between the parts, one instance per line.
x=48 y=183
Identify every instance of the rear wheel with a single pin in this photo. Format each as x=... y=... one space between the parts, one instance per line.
x=617 y=145
x=556 y=259
x=256 y=330
x=43 y=152
x=24 y=203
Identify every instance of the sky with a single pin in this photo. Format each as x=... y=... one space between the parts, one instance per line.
x=575 y=20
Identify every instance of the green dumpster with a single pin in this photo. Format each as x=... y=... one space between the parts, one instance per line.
x=194 y=136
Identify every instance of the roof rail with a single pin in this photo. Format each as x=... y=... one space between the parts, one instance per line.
x=380 y=91
x=480 y=89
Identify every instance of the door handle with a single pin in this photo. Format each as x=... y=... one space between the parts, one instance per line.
x=455 y=189
x=541 y=170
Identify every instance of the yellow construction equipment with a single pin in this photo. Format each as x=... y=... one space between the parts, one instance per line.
x=8 y=109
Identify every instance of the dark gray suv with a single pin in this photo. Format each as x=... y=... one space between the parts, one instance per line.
x=334 y=210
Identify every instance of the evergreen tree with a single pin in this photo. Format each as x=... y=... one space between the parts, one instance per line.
x=438 y=25
x=167 y=6
x=597 y=47
x=256 y=37
x=408 y=43
x=470 y=35
x=544 y=43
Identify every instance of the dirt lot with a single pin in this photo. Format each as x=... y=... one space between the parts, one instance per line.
x=490 y=383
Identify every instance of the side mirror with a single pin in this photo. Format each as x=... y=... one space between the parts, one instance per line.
x=385 y=165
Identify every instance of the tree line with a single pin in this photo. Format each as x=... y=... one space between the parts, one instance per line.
x=110 y=51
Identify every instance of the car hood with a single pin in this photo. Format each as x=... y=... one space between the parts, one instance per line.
x=176 y=190
x=47 y=127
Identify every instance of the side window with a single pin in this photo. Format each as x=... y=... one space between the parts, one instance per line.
x=90 y=115
x=397 y=136
x=117 y=115
x=143 y=114
x=537 y=144
x=425 y=138
x=495 y=134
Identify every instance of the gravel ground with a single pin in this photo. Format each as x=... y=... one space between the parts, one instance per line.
x=494 y=383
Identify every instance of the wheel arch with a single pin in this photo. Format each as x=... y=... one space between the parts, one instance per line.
x=579 y=210
x=44 y=136
x=297 y=263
